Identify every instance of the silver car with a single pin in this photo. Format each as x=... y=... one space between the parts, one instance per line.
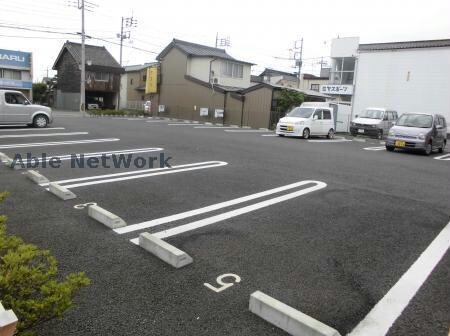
x=418 y=131
x=15 y=108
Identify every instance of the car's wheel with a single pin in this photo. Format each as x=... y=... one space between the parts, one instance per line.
x=428 y=148
x=281 y=135
x=306 y=133
x=330 y=134
x=441 y=150
x=40 y=121
x=390 y=148
x=380 y=134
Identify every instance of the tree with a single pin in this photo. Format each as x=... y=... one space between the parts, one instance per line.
x=40 y=92
x=288 y=99
x=28 y=282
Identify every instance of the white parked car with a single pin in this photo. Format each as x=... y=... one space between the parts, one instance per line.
x=15 y=108
x=306 y=120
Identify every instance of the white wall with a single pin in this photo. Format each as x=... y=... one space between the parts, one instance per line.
x=382 y=81
x=198 y=67
x=344 y=47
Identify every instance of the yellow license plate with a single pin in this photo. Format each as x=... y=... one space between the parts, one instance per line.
x=290 y=128
x=400 y=143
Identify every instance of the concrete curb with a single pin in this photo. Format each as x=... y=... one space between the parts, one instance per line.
x=287 y=318
x=10 y=164
x=34 y=176
x=8 y=322
x=105 y=217
x=61 y=192
x=164 y=251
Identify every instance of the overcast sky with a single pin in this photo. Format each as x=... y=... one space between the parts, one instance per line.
x=260 y=31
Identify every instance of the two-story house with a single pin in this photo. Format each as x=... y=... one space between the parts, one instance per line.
x=132 y=86
x=195 y=76
x=102 y=77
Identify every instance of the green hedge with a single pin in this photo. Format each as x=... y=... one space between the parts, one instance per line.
x=29 y=282
x=122 y=113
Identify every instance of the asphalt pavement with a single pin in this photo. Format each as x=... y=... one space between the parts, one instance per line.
x=347 y=224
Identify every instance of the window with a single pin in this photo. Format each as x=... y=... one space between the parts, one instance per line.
x=318 y=113
x=326 y=115
x=443 y=123
x=315 y=87
x=10 y=74
x=131 y=81
x=15 y=98
x=230 y=69
x=102 y=76
x=144 y=78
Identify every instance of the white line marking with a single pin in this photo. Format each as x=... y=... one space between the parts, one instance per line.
x=379 y=148
x=331 y=140
x=30 y=129
x=182 y=215
x=101 y=179
x=230 y=214
x=66 y=157
x=38 y=144
x=445 y=157
x=218 y=127
x=248 y=131
x=269 y=135
x=390 y=307
x=40 y=135
x=182 y=124
x=156 y=121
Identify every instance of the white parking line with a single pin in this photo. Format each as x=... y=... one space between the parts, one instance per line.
x=381 y=318
x=66 y=157
x=218 y=127
x=40 y=135
x=248 y=131
x=380 y=148
x=182 y=124
x=230 y=214
x=30 y=129
x=331 y=140
x=445 y=157
x=269 y=135
x=39 y=144
x=101 y=179
x=191 y=213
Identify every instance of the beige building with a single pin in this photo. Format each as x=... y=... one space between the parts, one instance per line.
x=132 y=87
x=203 y=83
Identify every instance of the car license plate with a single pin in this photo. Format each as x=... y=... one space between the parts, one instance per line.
x=290 y=128
x=360 y=130
x=400 y=143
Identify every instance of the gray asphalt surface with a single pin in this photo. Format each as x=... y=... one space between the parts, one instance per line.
x=332 y=253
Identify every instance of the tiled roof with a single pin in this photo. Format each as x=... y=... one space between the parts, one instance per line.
x=199 y=50
x=95 y=55
x=138 y=67
x=405 y=45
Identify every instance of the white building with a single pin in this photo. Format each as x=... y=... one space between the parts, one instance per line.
x=343 y=59
x=405 y=76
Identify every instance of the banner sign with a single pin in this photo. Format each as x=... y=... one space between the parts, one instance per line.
x=15 y=59
x=336 y=89
x=15 y=84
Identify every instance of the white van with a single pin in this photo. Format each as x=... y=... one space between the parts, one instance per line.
x=307 y=120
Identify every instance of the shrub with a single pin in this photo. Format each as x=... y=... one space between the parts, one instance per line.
x=29 y=282
x=115 y=113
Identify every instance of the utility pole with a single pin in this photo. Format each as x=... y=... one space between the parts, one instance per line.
x=83 y=6
x=83 y=62
x=298 y=57
x=127 y=22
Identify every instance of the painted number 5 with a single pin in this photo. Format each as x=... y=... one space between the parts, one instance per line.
x=224 y=285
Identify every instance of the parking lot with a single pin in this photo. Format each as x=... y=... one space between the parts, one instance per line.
x=331 y=228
